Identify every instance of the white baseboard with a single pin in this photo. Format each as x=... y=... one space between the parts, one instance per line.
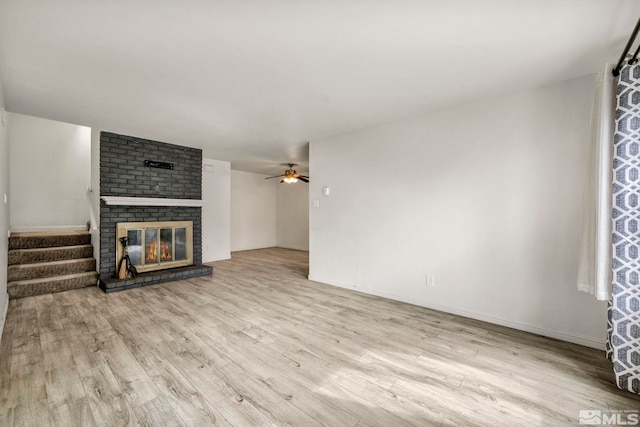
x=224 y=258
x=242 y=249
x=295 y=248
x=461 y=311
x=82 y=227
x=336 y=283
x=5 y=308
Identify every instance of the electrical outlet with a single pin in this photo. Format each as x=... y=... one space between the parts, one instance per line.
x=431 y=281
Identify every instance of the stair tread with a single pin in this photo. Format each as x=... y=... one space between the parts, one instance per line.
x=49 y=263
x=53 y=253
x=52 y=248
x=50 y=239
x=54 y=278
x=49 y=233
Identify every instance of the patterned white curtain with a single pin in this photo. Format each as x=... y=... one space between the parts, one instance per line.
x=623 y=346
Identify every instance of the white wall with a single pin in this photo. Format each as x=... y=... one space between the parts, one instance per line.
x=292 y=216
x=486 y=197
x=253 y=211
x=216 y=212
x=50 y=169
x=4 y=211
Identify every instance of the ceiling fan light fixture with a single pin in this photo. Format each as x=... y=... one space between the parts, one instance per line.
x=291 y=176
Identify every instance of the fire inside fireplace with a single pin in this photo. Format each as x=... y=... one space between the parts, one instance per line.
x=154 y=249
x=157 y=245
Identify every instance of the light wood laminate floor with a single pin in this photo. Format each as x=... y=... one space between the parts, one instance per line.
x=258 y=344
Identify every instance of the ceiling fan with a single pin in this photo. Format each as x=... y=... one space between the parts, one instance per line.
x=291 y=176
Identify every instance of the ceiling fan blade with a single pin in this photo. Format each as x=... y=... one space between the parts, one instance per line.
x=303 y=179
x=277 y=176
x=303 y=176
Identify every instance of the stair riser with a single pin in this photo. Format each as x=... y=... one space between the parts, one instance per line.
x=21 y=291
x=26 y=271
x=31 y=242
x=18 y=256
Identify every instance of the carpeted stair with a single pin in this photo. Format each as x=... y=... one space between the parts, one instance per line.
x=47 y=262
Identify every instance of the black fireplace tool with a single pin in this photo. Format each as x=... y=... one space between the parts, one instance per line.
x=127 y=270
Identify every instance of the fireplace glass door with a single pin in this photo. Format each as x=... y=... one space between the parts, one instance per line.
x=134 y=247
x=151 y=245
x=181 y=243
x=157 y=245
x=166 y=244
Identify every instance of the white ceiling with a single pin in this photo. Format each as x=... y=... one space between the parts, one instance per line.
x=252 y=81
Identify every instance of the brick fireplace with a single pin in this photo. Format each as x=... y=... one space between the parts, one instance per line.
x=135 y=182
